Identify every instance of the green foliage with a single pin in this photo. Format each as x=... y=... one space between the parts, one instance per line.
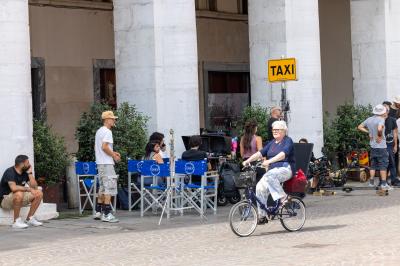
x=341 y=134
x=50 y=155
x=129 y=135
x=85 y=133
x=260 y=115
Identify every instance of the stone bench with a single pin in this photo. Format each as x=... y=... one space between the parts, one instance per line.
x=46 y=211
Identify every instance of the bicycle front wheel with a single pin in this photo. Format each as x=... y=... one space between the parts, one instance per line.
x=293 y=214
x=243 y=218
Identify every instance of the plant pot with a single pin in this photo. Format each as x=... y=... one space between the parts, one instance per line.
x=53 y=193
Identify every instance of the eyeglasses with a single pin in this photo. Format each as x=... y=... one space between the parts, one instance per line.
x=277 y=130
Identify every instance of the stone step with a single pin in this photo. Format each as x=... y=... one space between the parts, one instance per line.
x=46 y=211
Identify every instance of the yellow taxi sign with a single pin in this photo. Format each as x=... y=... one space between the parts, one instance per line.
x=282 y=69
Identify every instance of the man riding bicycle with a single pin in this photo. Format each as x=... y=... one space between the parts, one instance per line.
x=280 y=164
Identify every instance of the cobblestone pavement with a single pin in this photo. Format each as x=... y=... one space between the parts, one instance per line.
x=359 y=228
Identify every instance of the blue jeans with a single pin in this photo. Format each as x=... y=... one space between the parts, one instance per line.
x=392 y=164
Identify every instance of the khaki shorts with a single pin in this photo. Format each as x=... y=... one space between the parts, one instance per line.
x=108 y=179
x=7 y=202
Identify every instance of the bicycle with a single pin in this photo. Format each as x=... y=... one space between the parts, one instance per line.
x=292 y=214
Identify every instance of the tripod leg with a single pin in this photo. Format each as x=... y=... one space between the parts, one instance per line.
x=165 y=205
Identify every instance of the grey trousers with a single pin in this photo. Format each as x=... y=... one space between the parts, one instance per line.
x=271 y=183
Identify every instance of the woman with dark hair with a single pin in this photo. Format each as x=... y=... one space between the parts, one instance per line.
x=158 y=137
x=152 y=152
x=250 y=143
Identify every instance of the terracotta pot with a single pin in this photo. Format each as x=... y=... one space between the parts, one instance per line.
x=53 y=193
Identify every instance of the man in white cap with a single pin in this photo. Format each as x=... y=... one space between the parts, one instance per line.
x=105 y=157
x=375 y=127
x=394 y=110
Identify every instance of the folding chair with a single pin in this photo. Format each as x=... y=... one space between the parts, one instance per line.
x=86 y=172
x=134 y=167
x=153 y=195
x=203 y=195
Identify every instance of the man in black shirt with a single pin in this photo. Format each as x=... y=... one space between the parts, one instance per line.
x=275 y=116
x=394 y=112
x=18 y=188
x=194 y=154
x=391 y=134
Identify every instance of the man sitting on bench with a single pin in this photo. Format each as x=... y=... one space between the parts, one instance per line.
x=18 y=188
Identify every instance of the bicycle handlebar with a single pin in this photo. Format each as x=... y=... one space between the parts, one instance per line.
x=253 y=167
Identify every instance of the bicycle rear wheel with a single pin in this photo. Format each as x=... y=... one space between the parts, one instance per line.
x=293 y=214
x=243 y=218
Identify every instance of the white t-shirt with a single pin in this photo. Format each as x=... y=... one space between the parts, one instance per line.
x=103 y=135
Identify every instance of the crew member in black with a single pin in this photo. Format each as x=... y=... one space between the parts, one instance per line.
x=276 y=113
x=391 y=133
x=194 y=154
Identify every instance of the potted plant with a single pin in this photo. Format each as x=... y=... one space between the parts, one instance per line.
x=51 y=159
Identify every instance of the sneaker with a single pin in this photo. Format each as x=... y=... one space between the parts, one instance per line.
x=386 y=187
x=19 y=224
x=97 y=216
x=110 y=218
x=396 y=183
x=262 y=220
x=371 y=184
x=32 y=221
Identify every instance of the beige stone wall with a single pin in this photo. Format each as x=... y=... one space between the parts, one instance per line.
x=68 y=40
x=223 y=39
x=336 y=55
x=228 y=6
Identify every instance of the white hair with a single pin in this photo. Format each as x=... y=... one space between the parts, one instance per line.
x=279 y=125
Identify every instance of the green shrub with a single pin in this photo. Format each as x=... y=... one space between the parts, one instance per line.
x=85 y=133
x=341 y=134
x=50 y=155
x=260 y=115
x=130 y=135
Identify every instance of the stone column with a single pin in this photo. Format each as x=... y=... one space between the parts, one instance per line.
x=156 y=63
x=289 y=28
x=376 y=50
x=15 y=88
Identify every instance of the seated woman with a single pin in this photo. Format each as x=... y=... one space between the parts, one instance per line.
x=158 y=137
x=153 y=152
x=280 y=164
